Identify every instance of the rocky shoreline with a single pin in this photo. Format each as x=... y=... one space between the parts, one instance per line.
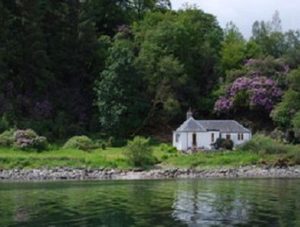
x=65 y=173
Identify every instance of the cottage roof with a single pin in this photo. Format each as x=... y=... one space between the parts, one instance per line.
x=191 y=125
x=223 y=126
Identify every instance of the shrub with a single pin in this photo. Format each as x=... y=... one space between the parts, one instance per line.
x=264 y=145
x=227 y=144
x=4 y=123
x=296 y=157
x=218 y=143
x=167 y=148
x=139 y=152
x=277 y=134
x=100 y=143
x=28 y=140
x=222 y=143
x=7 y=138
x=79 y=142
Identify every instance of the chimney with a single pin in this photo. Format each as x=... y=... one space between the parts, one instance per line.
x=189 y=114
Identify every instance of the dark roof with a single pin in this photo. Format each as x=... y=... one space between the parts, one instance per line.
x=192 y=125
x=223 y=126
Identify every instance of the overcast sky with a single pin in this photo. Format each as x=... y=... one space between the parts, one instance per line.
x=244 y=12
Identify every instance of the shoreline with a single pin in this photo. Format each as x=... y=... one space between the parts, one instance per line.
x=80 y=174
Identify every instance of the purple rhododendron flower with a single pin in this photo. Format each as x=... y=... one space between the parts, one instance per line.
x=224 y=104
x=263 y=92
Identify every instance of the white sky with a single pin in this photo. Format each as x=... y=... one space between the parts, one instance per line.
x=244 y=12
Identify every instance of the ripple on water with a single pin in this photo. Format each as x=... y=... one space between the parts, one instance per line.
x=152 y=203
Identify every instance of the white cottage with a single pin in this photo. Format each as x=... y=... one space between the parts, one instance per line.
x=194 y=134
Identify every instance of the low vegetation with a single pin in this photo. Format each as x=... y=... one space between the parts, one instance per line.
x=23 y=139
x=140 y=152
x=79 y=142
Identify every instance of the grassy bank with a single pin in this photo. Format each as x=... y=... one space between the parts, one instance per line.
x=115 y=157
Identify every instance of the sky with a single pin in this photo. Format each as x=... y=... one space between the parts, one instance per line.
x=244 y=12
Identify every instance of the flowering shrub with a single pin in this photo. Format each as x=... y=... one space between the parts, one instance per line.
x=28 y=139
x=258 y=91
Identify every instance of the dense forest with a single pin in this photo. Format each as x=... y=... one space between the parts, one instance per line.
x=127 y=67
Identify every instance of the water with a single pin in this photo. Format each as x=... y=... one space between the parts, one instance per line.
x=263 y=202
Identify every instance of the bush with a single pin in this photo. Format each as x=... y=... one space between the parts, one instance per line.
x=4 y=123
x=227 y=144
x=222 y=143
x=167 y=148
x=296 y=157
x=28 y=140
x=7 y=138
x=79 y=142
x=139 y=152
x=264 y=145
x=99 y=143
x=218 y=143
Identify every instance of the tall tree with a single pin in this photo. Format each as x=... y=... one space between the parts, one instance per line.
x=187 y=44
x=119 y=89
x=233 y=51
x=269 y=36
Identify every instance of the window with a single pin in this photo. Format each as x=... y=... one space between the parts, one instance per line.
x=242 y=136
x=212 y=137
x=177 y=136
x=228 y=137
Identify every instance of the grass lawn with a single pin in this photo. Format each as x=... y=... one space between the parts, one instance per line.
x=114 y=158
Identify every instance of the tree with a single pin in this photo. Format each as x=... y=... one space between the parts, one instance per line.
x=269 y=37
x=233 y=51
x=178 y=56
x=119 y=95
x=286 y=113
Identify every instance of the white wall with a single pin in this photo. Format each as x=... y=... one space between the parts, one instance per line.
x=234 y=137
x=182 y=141
x=185 y=141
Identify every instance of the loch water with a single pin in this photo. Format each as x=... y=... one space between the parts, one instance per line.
x=211 y=202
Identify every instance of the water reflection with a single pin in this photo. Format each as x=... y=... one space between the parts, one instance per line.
x=152 y=203
x=241 y=203
x=205 y=205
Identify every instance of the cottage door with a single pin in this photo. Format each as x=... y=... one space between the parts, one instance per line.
x=194 y=142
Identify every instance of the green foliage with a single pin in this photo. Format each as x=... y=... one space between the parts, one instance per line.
x=7 y=138
x=121 y=67
x=29 y=140
x=139 y=152
x=117 y=158
x=227 y=144
x=4 y=123
x=285 y=113
x=167 y=148
x=264 y=145
x=222 y=143
x=296 y=121
x=177 y=62
x=118 y=90
x=233 y=50
x=294 y=157
x=79 y=142
x=269 y=36
x=294 y=80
